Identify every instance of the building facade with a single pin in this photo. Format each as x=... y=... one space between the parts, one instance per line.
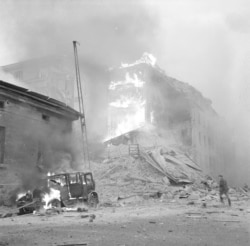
x=33 y=128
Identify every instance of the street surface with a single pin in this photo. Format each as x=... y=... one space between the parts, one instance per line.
x=148 y=223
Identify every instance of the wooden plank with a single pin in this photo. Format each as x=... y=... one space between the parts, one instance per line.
x=150 y=162
x=28 y=204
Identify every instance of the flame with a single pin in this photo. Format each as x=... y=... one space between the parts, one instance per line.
x=19 y=195
x=124 y=102
x=152 y=117
x=146 y=58
x=47 y=197
x=127 y=110
x=50 y=174
x=131 y=122
x=132 y=81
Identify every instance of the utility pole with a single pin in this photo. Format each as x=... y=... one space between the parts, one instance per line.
x=82 y=118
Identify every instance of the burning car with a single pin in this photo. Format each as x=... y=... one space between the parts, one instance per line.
x=65 y=190
x=74 y=187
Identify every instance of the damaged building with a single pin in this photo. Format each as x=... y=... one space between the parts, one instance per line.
x=138 y=95
x=33 y=128
x=54 y=77
x=141 y=94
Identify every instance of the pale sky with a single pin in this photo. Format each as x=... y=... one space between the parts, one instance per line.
x=205 y=43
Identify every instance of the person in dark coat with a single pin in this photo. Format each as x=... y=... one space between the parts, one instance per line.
x=223 y=189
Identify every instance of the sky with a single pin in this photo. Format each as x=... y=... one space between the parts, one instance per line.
x=205 y=43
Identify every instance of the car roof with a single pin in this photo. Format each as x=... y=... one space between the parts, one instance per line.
x=63 y=174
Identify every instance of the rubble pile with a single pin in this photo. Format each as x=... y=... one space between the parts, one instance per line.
x=134 y=180
x=157 y=172
x=163 y=170
x=126 y=176
x=178 y=167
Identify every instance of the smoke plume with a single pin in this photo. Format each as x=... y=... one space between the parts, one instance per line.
x=108 y=31
x=204 y=43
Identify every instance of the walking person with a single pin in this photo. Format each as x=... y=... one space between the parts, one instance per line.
x=223 y=189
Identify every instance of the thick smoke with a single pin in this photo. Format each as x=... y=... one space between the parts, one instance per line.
x=202 y=43
x=50 y=149
x=11 y=79
x=109 y=31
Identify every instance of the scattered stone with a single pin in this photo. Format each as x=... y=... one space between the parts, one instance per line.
x=93 y=216
x=82 y=210
x=204 y=205
x=84 y=216
x=6 y=215
x=152 y=222
x=183 y=194
x=106 y=204
x=214 y=212
x=213 y=192
x=194 y=196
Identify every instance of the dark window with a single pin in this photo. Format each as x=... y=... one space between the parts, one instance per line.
x=45 y=117
x=1 y=104
x=2 y=143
